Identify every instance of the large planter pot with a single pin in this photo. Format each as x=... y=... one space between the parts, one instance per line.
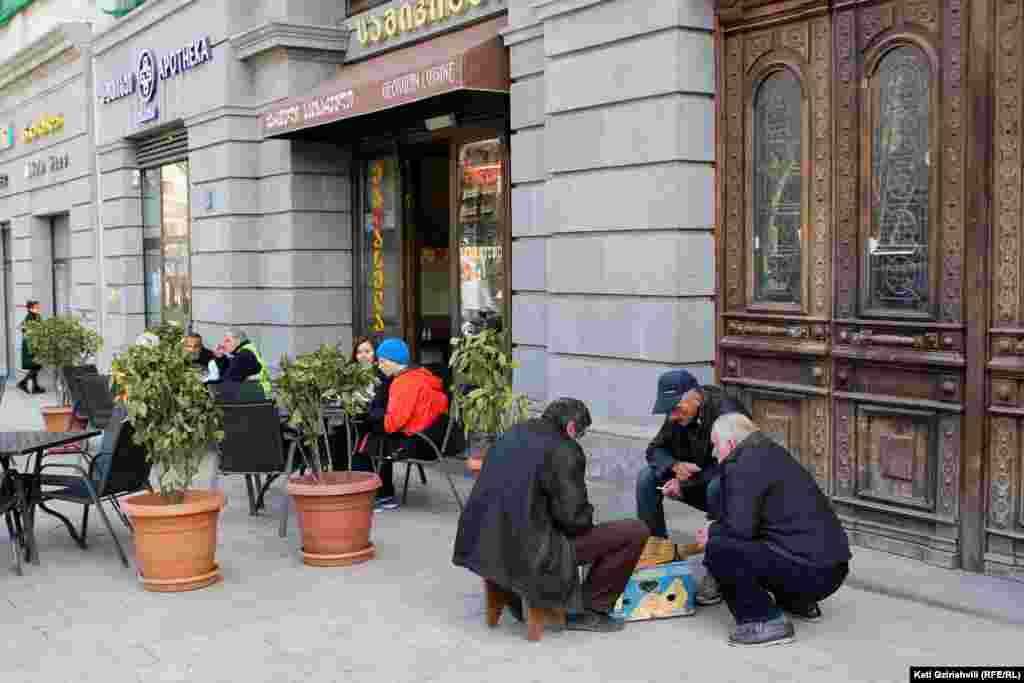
x=175 y=543
x=59 y=418
x=335 y=515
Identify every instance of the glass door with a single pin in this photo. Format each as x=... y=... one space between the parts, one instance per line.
x=481 y=225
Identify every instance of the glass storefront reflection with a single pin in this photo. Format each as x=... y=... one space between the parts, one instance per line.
x=480 y=237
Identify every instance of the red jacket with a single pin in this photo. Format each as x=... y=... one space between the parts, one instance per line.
x=416 y=399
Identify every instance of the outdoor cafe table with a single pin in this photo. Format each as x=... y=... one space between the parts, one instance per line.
x=28 y=443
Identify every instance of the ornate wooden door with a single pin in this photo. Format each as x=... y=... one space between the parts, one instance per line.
x=1004 y=464
x=842 y=182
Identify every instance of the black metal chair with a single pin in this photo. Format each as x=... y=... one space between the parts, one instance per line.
x=11 y=505
x=408 y=449
x=238 y=392
x=122 y=472
x=99 y=398
x=253 y=447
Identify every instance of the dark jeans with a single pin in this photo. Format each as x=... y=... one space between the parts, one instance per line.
x=650 y=502
x=612 y=550
x=747 y=571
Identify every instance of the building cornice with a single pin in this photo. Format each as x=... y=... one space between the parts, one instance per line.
x=326 y=40
x=53 y=43
x=521 y=34
x=546 y=9
x=136 y=21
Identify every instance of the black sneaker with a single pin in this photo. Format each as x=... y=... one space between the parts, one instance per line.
x=708 y=593
x=591 y=620
x=763 y=634
x=810 y=612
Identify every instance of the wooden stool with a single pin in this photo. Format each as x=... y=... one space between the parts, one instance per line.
x=536 y=617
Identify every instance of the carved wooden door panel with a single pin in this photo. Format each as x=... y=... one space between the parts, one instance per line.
x=775 y=178
x=1004 y=518
x=841 y=193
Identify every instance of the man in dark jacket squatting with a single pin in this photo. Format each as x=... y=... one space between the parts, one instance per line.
x=680 y=463
x=528 y=522
x=777 y=533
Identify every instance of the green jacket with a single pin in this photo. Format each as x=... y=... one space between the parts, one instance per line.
x=28 y=361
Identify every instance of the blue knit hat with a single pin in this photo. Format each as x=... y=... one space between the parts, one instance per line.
x=394 y=350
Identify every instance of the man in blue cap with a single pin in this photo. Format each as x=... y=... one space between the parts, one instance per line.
x=679 y=458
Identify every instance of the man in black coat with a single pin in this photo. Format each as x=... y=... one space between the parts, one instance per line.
x=528 y=523
x=680 y=464
x=777 y=533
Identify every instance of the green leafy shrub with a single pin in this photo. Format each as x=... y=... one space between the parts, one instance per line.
x=309 y=380
x=491 y=407
x=174 y=416
x=61 y=342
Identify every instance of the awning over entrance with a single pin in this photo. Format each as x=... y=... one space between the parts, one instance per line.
x=469 y=59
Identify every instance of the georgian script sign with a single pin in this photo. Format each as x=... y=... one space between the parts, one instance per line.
x=150 y=69
x=344 y=103
x=471 y=59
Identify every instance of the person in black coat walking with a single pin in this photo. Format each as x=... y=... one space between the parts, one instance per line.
x=528 y=522
x=777 y=533
x=28 y=361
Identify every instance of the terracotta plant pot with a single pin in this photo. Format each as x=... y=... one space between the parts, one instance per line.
x=59 y=418
x=335 y=515
x=175 y=543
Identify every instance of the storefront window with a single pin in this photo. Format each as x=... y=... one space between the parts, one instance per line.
x=481 y=229
x=382 y=256
x=166 y=243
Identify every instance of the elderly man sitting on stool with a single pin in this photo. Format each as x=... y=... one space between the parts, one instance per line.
x=528 y=523
x=777 y=533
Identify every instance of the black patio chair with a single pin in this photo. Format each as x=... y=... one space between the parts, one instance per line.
x=99 y=398
x=11 y=505
x=442 y=439
x=124 y=472
x=253 y=447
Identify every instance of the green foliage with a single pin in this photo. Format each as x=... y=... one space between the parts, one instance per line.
x=61 y=342
x=174 y=416
x=491 y=407
x=170 y=332
x=324 y=375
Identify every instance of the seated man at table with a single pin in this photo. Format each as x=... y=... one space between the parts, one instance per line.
x=528 y=522
x=416 y=402
x=203 y=358
x=777 y=534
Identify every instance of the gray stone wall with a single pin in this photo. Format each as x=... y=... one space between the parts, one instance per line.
x=271 y=230
x=50 y=77
x=612 y=205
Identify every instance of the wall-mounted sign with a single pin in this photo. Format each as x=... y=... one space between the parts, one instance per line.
x=401 y=22
x=377 y=211
x=408 y=16
x=6 y=137
x=4 y=181
x=45 y=125
x=53 y=164
x=149 y=70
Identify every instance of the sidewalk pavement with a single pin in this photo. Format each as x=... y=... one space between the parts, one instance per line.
x=410 y=615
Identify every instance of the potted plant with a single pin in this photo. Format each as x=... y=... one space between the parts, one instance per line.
x=176 y=420
x=490 y=406
x=335 y=509
x=61 y=342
